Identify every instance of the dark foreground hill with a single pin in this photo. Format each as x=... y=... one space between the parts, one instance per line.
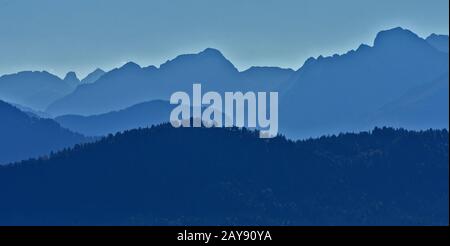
x=197 y=176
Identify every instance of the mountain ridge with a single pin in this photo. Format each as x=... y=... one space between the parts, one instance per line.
x=139 y=115
x=24 y=136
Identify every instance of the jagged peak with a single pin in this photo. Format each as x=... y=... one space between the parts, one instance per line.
x=71 y=76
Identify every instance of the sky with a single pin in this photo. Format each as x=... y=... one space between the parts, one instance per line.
x=81 y=35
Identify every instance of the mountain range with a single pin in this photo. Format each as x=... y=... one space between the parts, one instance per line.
x=134 y=84
x=355 y=91
x=342 y=92
x=36 y=90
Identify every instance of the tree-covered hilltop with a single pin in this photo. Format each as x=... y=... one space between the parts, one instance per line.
x=198 y=176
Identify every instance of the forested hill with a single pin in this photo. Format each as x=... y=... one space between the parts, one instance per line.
x=197 y=176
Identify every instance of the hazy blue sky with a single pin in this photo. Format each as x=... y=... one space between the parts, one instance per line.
x=81 y=35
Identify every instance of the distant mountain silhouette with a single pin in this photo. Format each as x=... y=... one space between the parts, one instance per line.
x=115 y=90
x=23 y=136
x=425 y=106
x=92 y=77
x=336 y=94
x=440 y=42
x=217 y=176
x=264 y=78
x=31 y=112
x=140 y=115
x=71 y=78
x=341 y=93
x=34 y=89
x=132 y=84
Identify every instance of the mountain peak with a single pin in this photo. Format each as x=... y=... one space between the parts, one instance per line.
x=93 y=76
x=209 y=57
x=396 y=37
x=71 y=77
x=98 y=70
x=440 y=42
x=130 y=65
x=211 y=52
x=437 y=36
